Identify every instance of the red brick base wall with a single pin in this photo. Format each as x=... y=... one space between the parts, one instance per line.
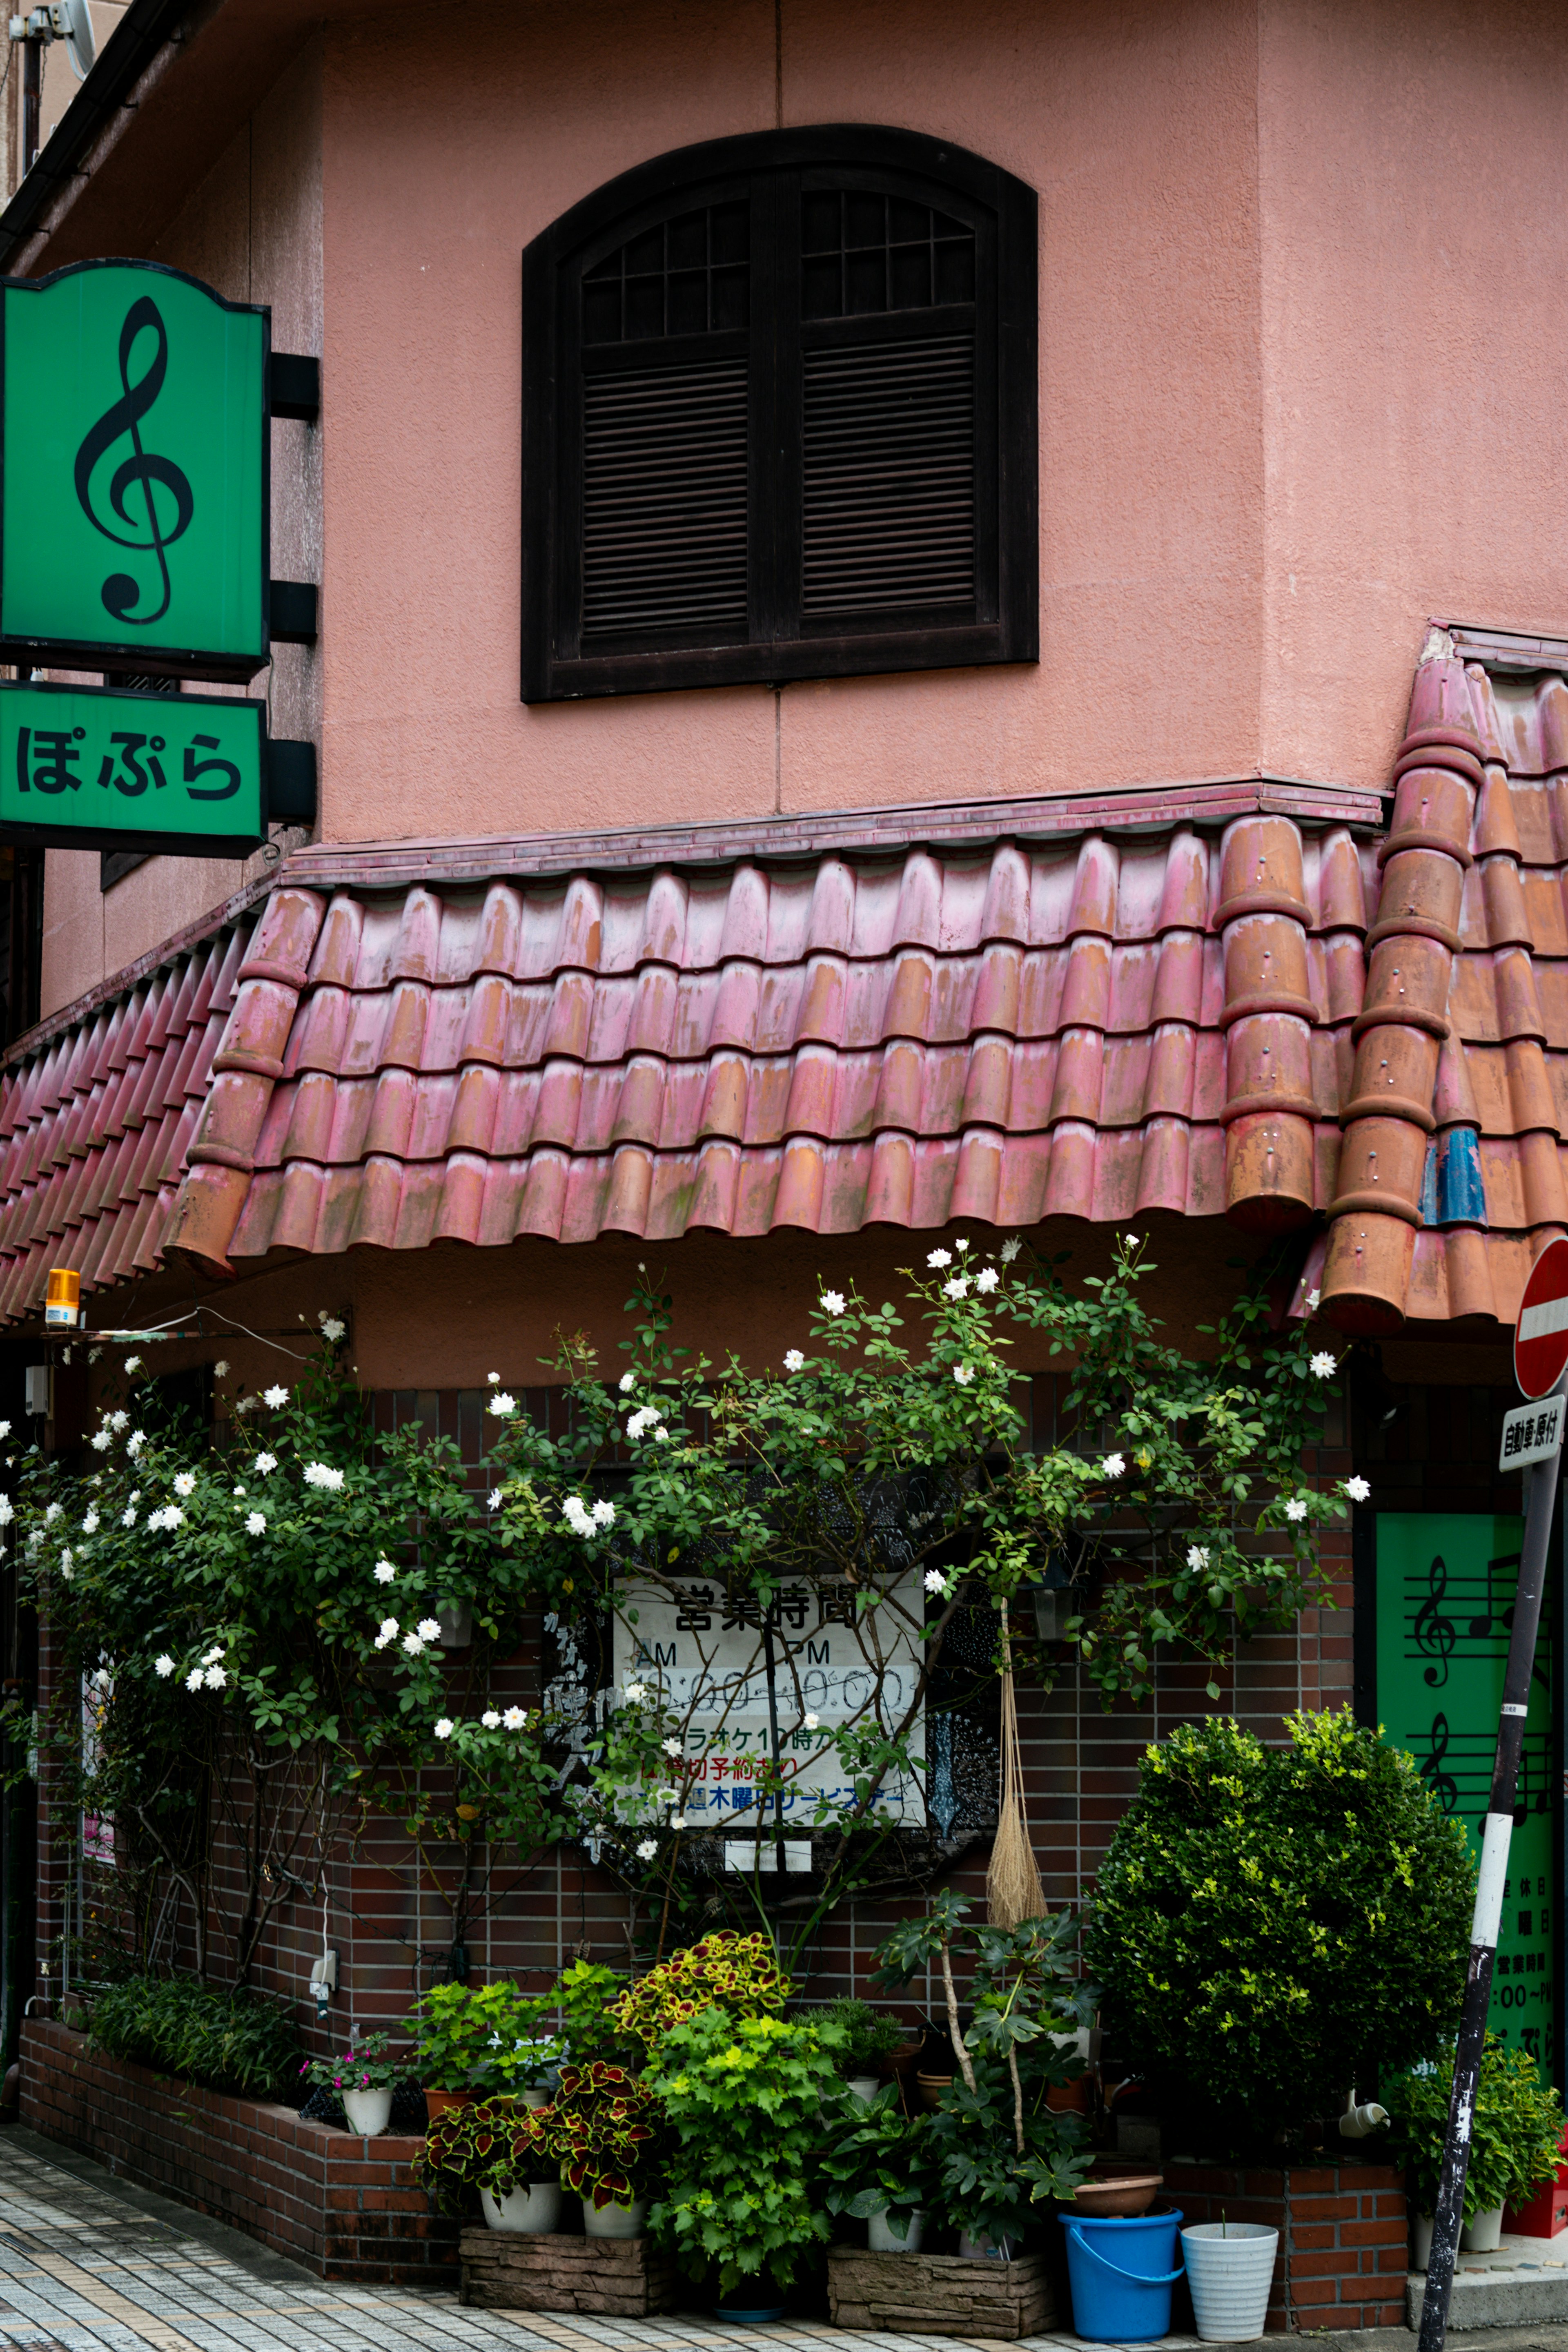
x=1344 y=2238
x=344 y=2205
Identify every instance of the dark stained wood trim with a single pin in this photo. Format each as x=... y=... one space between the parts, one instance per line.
x=1004 y=212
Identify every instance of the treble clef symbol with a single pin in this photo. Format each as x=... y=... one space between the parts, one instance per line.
x=1434 y=1632
x=1443 y=1785
x=150 y=473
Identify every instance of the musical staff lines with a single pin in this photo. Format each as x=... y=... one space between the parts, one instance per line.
x=1456 y=1766
x=1460 y=1615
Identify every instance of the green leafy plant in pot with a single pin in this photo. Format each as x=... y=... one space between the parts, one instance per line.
x=364 y=2077
x=882 y=2168
x=584 y=2003
x=1516 y=2130
x=483 y=2041
x=999 y=2150
x=488 y=2149
x=870 y=2035
x=744 y=2097
x=611 y=2133
x=739 y=1974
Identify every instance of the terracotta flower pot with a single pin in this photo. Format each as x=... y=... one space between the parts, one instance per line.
x=931 y=2087
x=437 y=2102
x=1070 y=2098
x=1117 y=2195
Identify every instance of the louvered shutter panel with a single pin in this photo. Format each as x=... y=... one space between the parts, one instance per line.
x=664 y=499
x=889 y=476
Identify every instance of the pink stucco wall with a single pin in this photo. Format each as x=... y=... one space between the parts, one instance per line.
x=1301 y=307
x=253 y=229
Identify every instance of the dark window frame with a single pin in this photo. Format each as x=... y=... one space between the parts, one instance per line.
x=1004 y=211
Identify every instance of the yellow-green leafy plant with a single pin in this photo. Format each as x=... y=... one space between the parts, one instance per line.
x=739 y=1974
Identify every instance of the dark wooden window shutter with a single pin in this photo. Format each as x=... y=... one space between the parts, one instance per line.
x=781 y=418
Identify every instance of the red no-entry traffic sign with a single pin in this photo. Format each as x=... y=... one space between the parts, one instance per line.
x=1541 y=1335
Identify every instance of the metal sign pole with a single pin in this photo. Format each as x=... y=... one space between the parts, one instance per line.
x=1490 y=1887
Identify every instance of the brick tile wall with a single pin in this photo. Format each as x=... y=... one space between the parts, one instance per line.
x=345 y=2207
x=1344 y=2238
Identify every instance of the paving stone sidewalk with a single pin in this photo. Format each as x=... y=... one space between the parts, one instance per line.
x=88 y=2264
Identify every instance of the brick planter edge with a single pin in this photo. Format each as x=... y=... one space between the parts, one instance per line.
x=1344 y=2251
x=343 y=2206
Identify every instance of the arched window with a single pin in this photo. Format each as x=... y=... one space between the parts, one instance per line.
x=781 y=418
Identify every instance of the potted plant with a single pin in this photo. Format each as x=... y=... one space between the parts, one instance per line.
x=1516 y=2133
x=364 y=2078
x=584 y=2006
x=743 y=2100
x=480 y=2041
x=999 y=2147
x=739 y=1974
x=611 y=2135
x=880 y=2170
x=511 y=2155
x=872 y=2037
x=1265 y=2011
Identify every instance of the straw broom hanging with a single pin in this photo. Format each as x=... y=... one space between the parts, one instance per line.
x=1013 y=1891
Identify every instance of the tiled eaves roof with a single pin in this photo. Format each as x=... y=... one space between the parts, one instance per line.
x=1039 y=1010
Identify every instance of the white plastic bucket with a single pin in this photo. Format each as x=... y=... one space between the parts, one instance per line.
x=880 y=2239
x=534 y=2211
x=1484 y=2234
x=614 y=2221
x=1229 y=2268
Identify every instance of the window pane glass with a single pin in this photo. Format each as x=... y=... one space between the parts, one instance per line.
x=689 y=276
x=863 y=255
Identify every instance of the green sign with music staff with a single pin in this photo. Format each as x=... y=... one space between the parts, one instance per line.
x=1445 y=1584
x=91 y=768
x=134 y=487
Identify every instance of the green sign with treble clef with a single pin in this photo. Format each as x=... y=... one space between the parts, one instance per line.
x=1445 y=1584
x=133 y=474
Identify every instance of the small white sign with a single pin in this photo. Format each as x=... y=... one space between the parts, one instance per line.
x=1531 y=1433
x=741 y=1853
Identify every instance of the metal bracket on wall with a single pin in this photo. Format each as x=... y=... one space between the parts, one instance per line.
x=292 y=609
x=294 y=386
x=291 y=782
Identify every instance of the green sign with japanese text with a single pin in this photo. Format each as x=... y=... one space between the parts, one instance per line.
x=133 y=473
x=89 y=768
x=1445 y=1584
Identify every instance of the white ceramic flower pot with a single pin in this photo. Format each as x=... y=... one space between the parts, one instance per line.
x=534 y=2211
x=863 y=2087
x=614 y=2221
x=1421 y=2240
x=1229 y=2268
x=536 y=2098
x=880 y=2239
x=369 y=2112
x=1484 y=2234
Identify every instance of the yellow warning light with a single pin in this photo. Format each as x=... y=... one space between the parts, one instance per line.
x=62 y=1302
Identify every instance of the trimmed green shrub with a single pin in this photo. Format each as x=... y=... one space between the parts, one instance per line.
x=1274 y=1924
x=223 y=2038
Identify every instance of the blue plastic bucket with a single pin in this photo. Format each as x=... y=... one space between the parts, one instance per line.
x=1122 y=2272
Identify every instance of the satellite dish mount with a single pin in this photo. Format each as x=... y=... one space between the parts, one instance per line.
x=69 y=21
